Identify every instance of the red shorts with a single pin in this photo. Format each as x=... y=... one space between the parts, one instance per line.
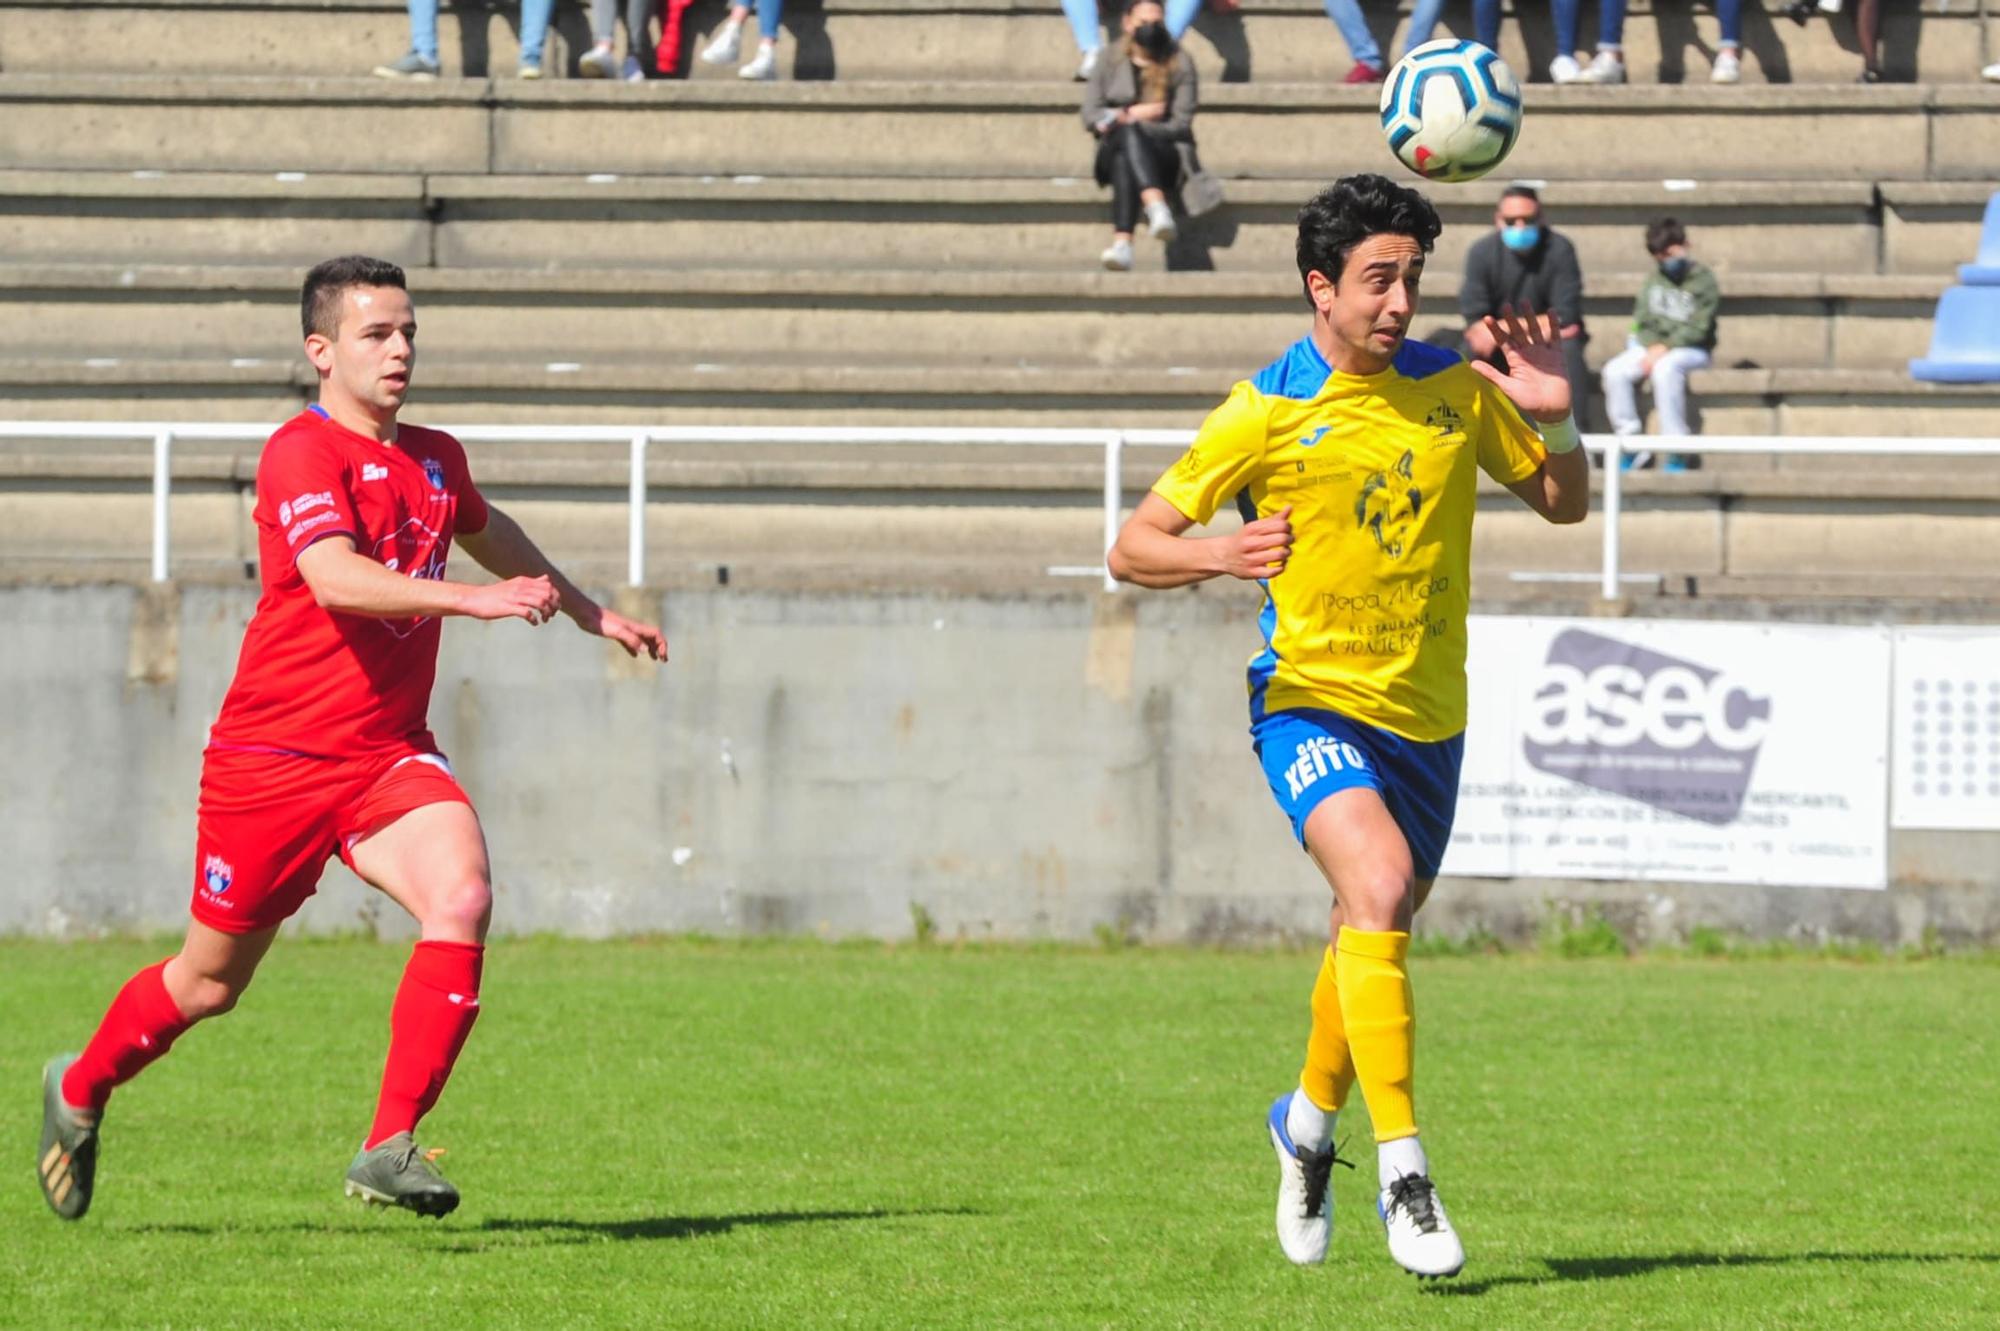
x=269 y=822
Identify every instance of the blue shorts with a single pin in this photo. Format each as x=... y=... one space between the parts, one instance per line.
x=1309 y=754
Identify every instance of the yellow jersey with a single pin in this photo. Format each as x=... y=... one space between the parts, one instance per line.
x=1368 y=616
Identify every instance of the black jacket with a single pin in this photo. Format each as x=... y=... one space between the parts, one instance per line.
x=1546 y=277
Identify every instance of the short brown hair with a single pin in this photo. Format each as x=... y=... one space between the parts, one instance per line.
x=319 y=302
x=1663 y=234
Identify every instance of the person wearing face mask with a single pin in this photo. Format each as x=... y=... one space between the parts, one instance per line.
x=1673 y=334
x=1525 y=264
x=1141 y=108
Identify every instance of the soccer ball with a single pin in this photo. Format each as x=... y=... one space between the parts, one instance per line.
x=1451 y=110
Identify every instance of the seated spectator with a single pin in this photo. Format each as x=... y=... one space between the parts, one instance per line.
x=1673 y=332
x=421 y=60
x=1524 y=264
x=1608 y=65
x=728 y=43
x=1141 y=108
x=599 y=62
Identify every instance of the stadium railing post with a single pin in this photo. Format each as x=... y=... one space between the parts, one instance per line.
x=1114 y=499
x=635 y=554
x=163 y=447
x=1613 y=502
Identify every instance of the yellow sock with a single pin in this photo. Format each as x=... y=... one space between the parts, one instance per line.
x=1381 y=1023
x=1329 y=1070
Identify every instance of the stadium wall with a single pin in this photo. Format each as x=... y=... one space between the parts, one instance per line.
x=983 y=767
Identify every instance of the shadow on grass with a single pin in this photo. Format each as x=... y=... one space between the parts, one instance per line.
x=1562 y=1269
x=566 y=1229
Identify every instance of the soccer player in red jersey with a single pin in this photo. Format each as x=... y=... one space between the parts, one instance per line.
x=322 y=746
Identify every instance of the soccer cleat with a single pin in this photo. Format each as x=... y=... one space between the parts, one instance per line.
x=1728 y=67
x=1305 y=1215
x=1160 y=221
x=763 y=66
x=597 y=62
x=401 y=1173
x=66 y=1166
x=1117 y=256
x=1421 y=1239
x=411 y=66
x=728 y=44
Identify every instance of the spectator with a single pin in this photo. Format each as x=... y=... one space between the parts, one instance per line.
x=1673 y=332
x=421 y=60
x=1524 y=264
x=598 y=62
x=1867 y=32
x=1141 y=109
x=1728 y=66
x=728 y=43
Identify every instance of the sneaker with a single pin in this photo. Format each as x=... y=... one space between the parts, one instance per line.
x=632 y=71
x=1305 y=1217
x=401 y=1173
x=1870 y=74
x=1421 y=1239
x=1638 y=461
x=1160 y=221
x=1608 y=67
x=528 y=71
x=1363 y=72
x=1728 y=67
x=411 y=66
x=597 y=62
x=67 y=1163
x=1087 y=66
x=1675 y=462
x=1991 y=73
x=1564 y=69
x=1117 y=256
x=763 y=66
x=728 y=44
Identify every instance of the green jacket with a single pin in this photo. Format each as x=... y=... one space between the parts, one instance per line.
x=1679 y=314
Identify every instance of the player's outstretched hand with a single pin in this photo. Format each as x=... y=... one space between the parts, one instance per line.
x=1536 y=380
x=636 y=638
x=532 y=599
x=1259 y=549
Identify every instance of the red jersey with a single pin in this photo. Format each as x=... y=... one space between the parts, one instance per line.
x=316 y=681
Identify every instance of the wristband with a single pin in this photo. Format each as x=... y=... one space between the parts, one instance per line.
x=1560 y=436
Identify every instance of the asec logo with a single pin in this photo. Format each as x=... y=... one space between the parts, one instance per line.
x=1633 y=722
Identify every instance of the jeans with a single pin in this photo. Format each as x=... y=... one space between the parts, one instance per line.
x=768 y=14
x=1670 y=387
x=1730 y=13
x=535 y=16
x=1610 y=26
x=1485 y=24
x=604 y=23
x=1361 y=44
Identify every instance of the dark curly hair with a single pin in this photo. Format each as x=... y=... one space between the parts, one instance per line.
x=1663 y=233
x=319 y=300
x=1352 y=209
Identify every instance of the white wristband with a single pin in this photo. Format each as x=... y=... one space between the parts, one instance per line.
x=1560 y=436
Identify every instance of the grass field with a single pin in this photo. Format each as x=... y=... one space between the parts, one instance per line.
x=786 y=1135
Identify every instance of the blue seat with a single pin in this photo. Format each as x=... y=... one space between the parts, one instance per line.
x=1965 y=341
x=1984 y=271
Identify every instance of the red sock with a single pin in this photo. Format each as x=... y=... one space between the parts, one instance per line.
x=143 y=1024
x=435 y=1007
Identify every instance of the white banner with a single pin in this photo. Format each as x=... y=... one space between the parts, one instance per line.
x=1947 y=739
x=1675 y=751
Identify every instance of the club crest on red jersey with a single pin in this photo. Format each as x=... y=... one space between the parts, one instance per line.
x=216 y=875
x=434 y=471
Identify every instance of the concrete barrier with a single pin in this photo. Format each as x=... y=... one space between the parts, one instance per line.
x=1012 y=767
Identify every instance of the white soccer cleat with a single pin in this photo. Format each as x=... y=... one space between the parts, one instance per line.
x=1421 y=1238
x=1305 y=1212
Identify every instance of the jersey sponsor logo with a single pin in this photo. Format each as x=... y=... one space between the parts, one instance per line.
x=374 y=471
x=419 y=551
x=434 y=473
x=1630 y=721
x=216 y=875
x=1318 y=757
x=304 y=504
x=1388 y=506
x=312 y=523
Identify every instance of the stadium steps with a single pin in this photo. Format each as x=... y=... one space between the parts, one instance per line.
x=981 y=40
x=681 y=320
x=1001 y=522
x=1051 y=224
x=927 y=130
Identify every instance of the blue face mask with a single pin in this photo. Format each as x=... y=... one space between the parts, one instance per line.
x=1676 y=268
x=1520 y=238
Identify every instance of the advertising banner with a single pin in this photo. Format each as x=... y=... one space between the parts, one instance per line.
x=1675 y=751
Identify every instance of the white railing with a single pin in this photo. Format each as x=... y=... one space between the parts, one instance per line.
x=163 y=436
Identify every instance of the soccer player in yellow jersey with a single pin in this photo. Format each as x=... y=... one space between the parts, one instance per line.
x=1353 y=460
